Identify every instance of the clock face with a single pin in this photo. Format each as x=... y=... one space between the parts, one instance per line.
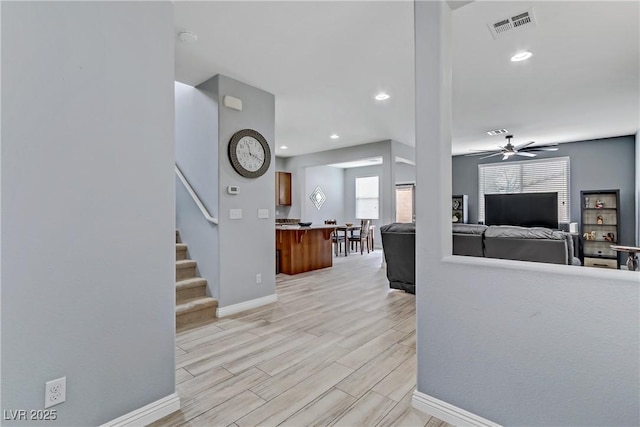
x=249 y=153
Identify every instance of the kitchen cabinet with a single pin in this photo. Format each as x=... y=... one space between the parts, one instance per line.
x=283 y=188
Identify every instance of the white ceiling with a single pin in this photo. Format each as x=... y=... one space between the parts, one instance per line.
x=324 y=62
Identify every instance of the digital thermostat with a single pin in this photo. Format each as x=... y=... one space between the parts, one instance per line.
x=233 y=189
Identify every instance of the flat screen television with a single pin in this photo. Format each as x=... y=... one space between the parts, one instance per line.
x=522 y=209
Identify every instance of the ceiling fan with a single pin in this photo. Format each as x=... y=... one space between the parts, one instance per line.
x=515 y=150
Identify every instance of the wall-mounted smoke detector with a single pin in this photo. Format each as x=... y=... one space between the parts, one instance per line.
x=505 y=25
x=497 y=132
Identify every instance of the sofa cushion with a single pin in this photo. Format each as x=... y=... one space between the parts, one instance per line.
x=570 y=250
x=469 y=228
x=468 y=244
x=398 y=227
x=467 y=239
x=512 y=231
x=528 y=244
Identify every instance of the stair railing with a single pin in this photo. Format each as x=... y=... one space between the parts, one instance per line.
x=195 y=197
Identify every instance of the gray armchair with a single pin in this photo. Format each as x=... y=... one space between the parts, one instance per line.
x=399 y=245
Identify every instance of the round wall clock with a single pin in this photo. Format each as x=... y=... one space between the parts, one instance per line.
x=249 y=153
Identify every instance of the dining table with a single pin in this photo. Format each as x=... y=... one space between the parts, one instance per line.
x=347 y=231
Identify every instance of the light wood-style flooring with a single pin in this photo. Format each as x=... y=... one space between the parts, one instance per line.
x=338 y=348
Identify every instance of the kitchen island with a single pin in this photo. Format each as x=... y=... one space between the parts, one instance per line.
x=304 y=248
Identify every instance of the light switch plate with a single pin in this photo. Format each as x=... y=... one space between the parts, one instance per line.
x=235 y=213
x=263 y=213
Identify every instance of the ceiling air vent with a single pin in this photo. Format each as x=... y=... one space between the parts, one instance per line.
x=506 y=25
x=497 y=132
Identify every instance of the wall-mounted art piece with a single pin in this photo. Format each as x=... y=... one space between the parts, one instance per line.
x=317 y=197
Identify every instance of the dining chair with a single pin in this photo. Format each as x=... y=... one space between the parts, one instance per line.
x=362 y=236
x=336 y=239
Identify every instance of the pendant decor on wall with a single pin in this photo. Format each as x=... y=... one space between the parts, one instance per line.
x=317 y=197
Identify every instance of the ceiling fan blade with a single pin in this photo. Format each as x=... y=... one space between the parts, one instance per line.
x=505 y=157
x=521 y=146
x=491 y=155
x=534 y=149
x=542 y=146
x=479 y=153
x=525 y=154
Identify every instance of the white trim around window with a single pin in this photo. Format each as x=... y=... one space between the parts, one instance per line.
x=527 y=176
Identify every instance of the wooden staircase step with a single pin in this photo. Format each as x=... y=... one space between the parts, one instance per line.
x=193 y=306
x=195 y=310
x=185 y=269
x=181 y=251
x=190 y=288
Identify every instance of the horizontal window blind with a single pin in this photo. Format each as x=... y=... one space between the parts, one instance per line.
x=367 y=199
x=529 y=176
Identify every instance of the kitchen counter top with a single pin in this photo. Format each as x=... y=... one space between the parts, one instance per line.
x=299 y=227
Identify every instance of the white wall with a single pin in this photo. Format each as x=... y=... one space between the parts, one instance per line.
x=196 y=151
x=331 y=181
x=231 y=254
x=405 y=174
x=247 y=246
x=87 y=206
x=388 y=150
x=296 y=165
x=513 y=342
x=280 y=163
x=350 y=176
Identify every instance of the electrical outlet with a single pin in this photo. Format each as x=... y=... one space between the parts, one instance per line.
x=258 y=278
x=55 y=392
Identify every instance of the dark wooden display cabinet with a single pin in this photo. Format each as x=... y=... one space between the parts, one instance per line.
x=599 y=222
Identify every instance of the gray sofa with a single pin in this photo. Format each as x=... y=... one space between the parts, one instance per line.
x=399 y=245
x=516 y=243
x=468 y=239
x=504 y=242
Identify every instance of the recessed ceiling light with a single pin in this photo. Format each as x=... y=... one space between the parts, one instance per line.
x=283 y=147
x=188 y=37
x=382 y=96
x=521 y=56
x=334 y=136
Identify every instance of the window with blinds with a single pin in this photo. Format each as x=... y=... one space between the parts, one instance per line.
x=367 y=202
x=528 y=176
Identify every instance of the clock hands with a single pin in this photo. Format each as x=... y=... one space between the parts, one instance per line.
x=254 y=155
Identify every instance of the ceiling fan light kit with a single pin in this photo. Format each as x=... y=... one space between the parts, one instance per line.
x=509 y=150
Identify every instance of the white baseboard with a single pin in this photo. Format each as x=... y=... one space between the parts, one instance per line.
x=149 y=413
x=447 y=412
x=247 y=305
